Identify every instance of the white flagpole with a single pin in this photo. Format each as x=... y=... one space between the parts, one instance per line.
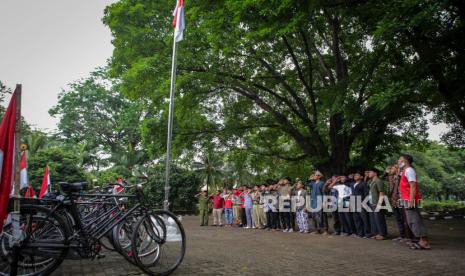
x=170 y=127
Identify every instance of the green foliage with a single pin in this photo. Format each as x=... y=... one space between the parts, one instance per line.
x=63 y=166
x=283 y=79
x=184 y=185
x=110 y=175
x=442 y=206
x=431 y=36
x=100 y=122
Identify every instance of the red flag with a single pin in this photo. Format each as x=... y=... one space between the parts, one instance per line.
x=23 y=181
x=45 y=183
x=7 y=152
x=30 y=192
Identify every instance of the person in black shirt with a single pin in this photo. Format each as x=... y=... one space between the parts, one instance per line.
x=362 y=223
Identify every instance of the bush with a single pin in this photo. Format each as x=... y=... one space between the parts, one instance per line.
x=443 y=206
x=184 y=185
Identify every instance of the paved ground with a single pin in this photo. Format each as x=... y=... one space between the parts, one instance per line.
x=235 y=251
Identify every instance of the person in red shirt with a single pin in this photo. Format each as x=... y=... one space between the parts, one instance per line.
x=218 y=205
x=411 y=198
x=228 y=208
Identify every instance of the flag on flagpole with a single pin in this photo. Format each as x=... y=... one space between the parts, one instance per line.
x=23 y=182
x=178 y=21
x=7 y=152
x=30 y=192
x=45 y=183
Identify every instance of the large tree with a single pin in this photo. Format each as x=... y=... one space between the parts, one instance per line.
x=101 y=125
x=289 y=79
x=431 y=34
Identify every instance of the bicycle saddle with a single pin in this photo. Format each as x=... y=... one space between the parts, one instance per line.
x=72 y=187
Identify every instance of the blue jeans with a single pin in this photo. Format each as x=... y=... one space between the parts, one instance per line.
x=228 y=213
x=248 y=215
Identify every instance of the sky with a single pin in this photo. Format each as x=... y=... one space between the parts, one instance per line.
x=47 y=44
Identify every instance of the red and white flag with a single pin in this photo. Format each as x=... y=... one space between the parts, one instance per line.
x=118 y=188
x=7 y=160
x=45 y=183
x=23 y=182
x=178 y=20
x=30 y=192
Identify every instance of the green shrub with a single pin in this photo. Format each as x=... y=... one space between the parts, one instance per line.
x=442 y=206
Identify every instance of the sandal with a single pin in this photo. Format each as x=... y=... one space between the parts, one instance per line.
x=417 y=246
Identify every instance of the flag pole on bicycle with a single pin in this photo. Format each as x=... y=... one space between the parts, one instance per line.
x=178 y=24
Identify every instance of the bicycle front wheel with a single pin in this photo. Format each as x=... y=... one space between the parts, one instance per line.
x=44 y=247
x=159 y=243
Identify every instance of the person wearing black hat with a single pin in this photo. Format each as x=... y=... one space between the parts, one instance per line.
x=377 y=219
x=285 y=210
x=362 y=223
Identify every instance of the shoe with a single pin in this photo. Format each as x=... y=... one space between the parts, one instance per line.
x=300 y=231
x=285 y=231
x=335 y=234
x=325 y=233
x=305 y=232
x=344 y=234
x=354 y=236
x=290 y=230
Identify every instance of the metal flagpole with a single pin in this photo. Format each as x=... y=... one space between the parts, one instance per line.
x=170 y=127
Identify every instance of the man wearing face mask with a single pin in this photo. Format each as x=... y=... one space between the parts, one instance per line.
x=411 y=198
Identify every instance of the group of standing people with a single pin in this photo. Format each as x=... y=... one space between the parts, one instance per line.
x=357 y=204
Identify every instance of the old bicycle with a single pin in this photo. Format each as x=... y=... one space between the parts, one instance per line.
x=54 y=229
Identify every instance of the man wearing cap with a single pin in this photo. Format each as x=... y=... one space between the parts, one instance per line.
x=285 y=210
x=203 y=207
x=376 y=195
x=360 y=189
x=320 y=221
x=411 y=198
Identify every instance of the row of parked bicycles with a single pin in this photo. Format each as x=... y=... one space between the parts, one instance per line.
x=72 y=224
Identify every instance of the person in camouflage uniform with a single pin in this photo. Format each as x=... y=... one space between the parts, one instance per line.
x=203 y=207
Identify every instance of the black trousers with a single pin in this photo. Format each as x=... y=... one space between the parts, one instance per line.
x=269 y=219
x=285 y=220
x=398 y=214
x=275 y=220
x=378 y=222
x=292 y=220
x=347 y=222
x=243 y=217
x=362 y=223
x=336 y=222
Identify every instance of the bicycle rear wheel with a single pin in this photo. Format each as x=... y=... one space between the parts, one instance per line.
x=159 y=243
x=44 y=247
